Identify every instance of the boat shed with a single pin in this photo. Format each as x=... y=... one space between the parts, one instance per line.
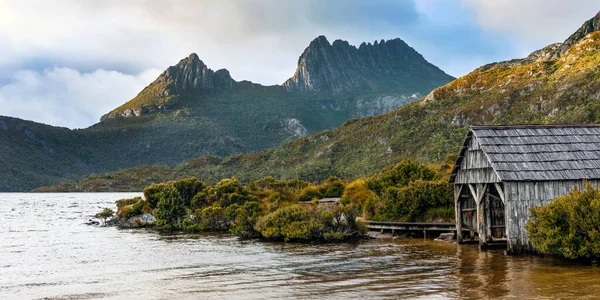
x=503 y=171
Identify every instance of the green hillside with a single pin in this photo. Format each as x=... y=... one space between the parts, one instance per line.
x=191 y=111
x=548 y=87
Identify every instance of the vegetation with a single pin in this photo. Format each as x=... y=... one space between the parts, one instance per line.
x=288 y=211
x=561 y=90
x=105 y=214
x=568 y=226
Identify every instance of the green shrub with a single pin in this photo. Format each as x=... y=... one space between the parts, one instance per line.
x=410 y=203
x=225 y=193
x=188 y=188
x=568 y=226
x=153 y=193
x=362 y=197
x=104 y=214
x=213 y=218
x=244 y=219
x=292 y=223
x=127 y=208
x=399 y=175
x=170 y=209
x=309 y=193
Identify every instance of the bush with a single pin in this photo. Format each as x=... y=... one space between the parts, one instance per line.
x=225 y=193
x=188 y=188
x=292 y=223
x=153 y=193
x=244 y=219
x=127 y=208
x=360 y=196
x=170 y=209
x=333 y=187
x=104 y=214
x=309 y=193
x=410 y=203
x=213 y=218
x=568 y=226
x=309 y=223
x=400 y=175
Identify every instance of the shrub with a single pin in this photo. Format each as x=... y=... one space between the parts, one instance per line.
x=225 y=193
x=244 y=219
x=410 y=203
x=309 y=193
x=188 y=188
x=213 y=218
x=104 y=214
x=292 y=223
x=568 y=226
x=127 y=208
x=359 y=195
x=333 y=187
x=399 y=175
x=153 y=193
x=170 y=209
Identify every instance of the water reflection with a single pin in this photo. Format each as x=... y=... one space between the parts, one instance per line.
x=47 y=251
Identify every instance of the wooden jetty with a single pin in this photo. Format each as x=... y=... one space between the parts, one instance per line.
x=427 y=229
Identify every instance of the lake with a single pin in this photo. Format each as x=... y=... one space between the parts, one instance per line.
x=47 y=252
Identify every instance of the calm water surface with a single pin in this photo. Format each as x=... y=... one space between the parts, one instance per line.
x=46 y=251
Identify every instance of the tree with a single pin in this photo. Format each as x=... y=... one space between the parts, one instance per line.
x=105 y=214
x=170 y=209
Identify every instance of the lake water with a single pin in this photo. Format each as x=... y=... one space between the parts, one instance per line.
x=46 y=251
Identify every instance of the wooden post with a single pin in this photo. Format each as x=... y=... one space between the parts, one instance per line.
x=424 y=234
x=457 y=191
x=481 y=224
x=393 y=232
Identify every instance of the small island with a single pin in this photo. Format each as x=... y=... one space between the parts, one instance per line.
x=280 y=210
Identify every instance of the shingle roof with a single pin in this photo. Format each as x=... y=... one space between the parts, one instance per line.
x=541 y=152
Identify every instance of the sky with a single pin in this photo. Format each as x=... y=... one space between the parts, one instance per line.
x=67 y=62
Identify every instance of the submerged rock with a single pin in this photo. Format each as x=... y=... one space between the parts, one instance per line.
x=139 y=221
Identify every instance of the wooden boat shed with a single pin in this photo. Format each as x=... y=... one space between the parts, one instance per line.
x=503 y=171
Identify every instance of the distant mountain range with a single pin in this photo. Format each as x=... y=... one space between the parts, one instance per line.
x=191 y=111
x=557 y=84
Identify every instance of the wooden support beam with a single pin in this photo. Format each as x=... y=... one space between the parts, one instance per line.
x=473 y=192
x=457 y=210
x=481 y=188
x=500 y=192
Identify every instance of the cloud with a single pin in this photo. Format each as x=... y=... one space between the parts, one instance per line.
x=66 y=97
x=52 y=49
x=534 y=22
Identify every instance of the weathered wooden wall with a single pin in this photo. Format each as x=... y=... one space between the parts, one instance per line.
x=523 y=195
x=475 y=167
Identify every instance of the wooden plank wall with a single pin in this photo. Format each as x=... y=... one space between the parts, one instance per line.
x=523 y=195
x=475 y=167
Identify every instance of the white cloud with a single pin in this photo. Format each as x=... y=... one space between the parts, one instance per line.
x=66 y=97
x=534 y=22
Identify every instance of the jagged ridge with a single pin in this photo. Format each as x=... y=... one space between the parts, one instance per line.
x=339 y=67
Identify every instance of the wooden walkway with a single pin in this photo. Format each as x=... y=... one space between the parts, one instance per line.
x=424 y=228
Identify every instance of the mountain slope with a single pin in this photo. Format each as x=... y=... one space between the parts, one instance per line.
x=191 y=110
x=541 y=88
x=339 y=67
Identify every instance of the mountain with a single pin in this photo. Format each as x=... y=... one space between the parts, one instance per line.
x=191 y=111
x=339 y=67
x=550 y=86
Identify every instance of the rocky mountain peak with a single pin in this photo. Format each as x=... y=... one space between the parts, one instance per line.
x=340 y=67
x=192 y=74
x=588 y=26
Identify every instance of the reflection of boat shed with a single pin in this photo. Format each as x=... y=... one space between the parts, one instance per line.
x=502 y=171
